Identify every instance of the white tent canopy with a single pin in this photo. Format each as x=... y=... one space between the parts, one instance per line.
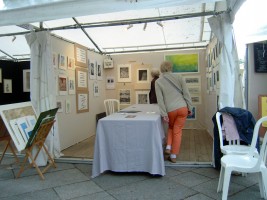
x=109 y=26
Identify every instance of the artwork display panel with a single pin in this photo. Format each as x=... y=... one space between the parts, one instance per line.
x=81 y=79
x=142 y=97
x=125 y=96
x=82 y=99
x=183 y=63
x=124 y=73
x=143 y=75
x=26 y=80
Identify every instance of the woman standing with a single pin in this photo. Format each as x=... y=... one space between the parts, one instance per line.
x=152 y=92
x=175 y=105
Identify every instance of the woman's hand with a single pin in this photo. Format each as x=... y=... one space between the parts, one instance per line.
x=166 y=119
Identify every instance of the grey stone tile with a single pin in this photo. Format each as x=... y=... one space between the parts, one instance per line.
x=171 y=172
x=48 y=194
x=96 y=196
x=198 y=197
x=6 y=173
x=210 y=189
x=190 y=179
x=152 y=189
x=249 y=193
x=33 y=183
x=77 y=189
x=85 y=168
x=113 y=180
x=208 y=172
x=247 y=180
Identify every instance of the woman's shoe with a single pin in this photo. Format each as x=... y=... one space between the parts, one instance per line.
x=167 y=152
x=173 y=160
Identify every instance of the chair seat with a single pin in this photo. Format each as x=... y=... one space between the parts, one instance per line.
x=241 y=163
x=237 y=149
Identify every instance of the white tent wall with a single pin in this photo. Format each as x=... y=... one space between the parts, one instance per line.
x=75 y=127
x=155 y=59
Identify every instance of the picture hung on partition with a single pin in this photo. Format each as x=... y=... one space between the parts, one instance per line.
x=108 y=63
x=142 y=97
x=142 y=75
x=67 y=106
x=92 y=69
x=7 y=86
x=71 y=63
x=196 y=99
x=192 y=80
x=59 y=106
x=96 y=89
x=82 y=99
x=62 y=62
x=71 y=81
x=124 y=73
x=81 y=78
x=55 y=60
x=99 y=71
x=0 y=75
x=80 y=53
x=125 y=96
x=183 y=63
x=62 y=84
x=110 y=83
x=26 y=80
x=194 y=89
x=194 y=114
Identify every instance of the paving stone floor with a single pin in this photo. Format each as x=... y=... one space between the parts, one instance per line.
x=73 y=181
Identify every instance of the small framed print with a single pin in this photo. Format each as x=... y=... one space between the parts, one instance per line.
x=82 y=99
x=60 y=106
x=192 y=80
x=7 y=86
x=96 y=89
x=71 y=81
x=124 y=73
x=99 y=71
x=108 y=63
x=194 y=114
x=81 y=78
x=125 y=96
x=80 y=53
x=196 y=99
x=142 y=75
x=71 y=63
x=54 y=60
x=68 y=106
x=142 y=97
x=26 y=80
x=110 y=83
x=194 y=89
x=62 y=84
x=62 y=62
x=92 y=69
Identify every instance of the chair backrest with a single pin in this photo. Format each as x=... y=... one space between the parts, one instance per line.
x=111 y=106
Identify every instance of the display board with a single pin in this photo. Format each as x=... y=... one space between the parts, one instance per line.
x=260 y=57
x=262 y=110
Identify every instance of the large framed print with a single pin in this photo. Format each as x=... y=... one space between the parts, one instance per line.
x=26 y=80
x=183 y=63
x=124 y=73
x=125 y=96
x=81 y=78
x=80 y=53
x=82 y=99
x=143 y=75
x=142 y=97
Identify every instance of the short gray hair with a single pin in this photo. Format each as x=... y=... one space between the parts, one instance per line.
x=154 y=73
x=166 y=66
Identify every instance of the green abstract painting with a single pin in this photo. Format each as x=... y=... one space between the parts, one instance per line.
x=183 y=63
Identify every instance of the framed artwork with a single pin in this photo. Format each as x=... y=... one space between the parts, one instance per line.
x=183 y=63
x=71 y=63
x=62 y=84
x=196 y=99
x=110 y=83
x=7 y=85
x=108 y=63
x=59 y=106
x=92 y=70
x=124 y=73
x=81 y=78
x=80 y=53
x=26 y=80
x=142 y=75
x=142 y=97
x=194 y=89
x=82 y=99
x=194 y=115
x=71 y=84
x=125 y=96
x=192 y=80
x=99 y=71
x=96 y=89
x=68 y=106
x=0 y=75
x=62 y=62
x=54 y=60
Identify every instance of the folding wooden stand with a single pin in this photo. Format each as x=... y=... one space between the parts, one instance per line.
x=39 y=141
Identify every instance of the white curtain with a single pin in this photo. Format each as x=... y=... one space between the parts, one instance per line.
x=43 y=82
x=230 y=81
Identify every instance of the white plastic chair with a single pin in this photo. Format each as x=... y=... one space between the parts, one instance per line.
x=234 y=147
x=111 y=106
x=247 y=163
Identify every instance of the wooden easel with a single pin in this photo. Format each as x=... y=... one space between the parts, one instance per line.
x=39 y=141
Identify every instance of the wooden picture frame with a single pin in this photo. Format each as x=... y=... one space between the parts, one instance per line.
x=82 y=99
x=143 y=75
x=81 y=78
x=26 y=80
x=142 y=97
x=80 y=53
x=124 y=73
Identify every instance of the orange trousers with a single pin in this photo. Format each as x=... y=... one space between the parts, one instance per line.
x=177 y=120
